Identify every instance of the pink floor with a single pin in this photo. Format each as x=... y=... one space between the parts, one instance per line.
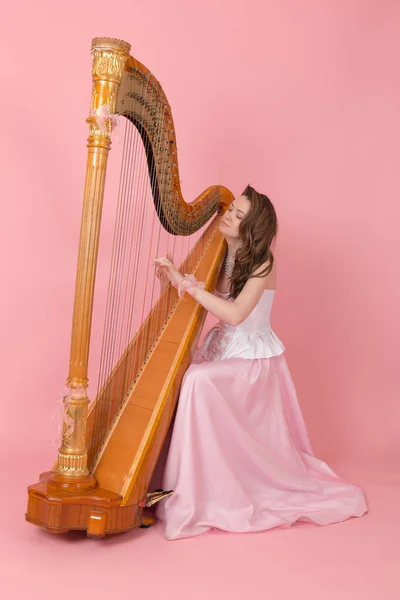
x=359 y=559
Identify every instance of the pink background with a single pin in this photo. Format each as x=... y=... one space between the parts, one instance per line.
x=302 y=100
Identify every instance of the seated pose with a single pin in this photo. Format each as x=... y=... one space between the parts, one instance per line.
x=240 y=459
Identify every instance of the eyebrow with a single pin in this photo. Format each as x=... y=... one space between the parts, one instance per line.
x=238 y=209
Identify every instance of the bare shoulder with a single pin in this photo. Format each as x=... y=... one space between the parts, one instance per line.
x=270 y=280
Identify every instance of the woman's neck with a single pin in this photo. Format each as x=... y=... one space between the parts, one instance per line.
x=232 y=248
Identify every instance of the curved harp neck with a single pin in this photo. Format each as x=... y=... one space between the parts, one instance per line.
x=142 y=100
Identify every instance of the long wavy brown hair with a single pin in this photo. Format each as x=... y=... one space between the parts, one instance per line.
x=257 y=231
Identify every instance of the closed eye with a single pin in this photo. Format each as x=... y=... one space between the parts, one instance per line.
x=239 y=213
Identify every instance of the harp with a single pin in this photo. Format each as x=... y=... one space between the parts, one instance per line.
x=110 y=447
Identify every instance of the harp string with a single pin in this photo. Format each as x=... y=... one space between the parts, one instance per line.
x=139 y=197
x=141 y=290
x=106 y=393
x=154 y=326
x=111 y=318
x=163 y=242
x=134 y=230
x=134 y=292
x=106 y=350
x=138 y=238
x=148 y=253
x=131 y=244
x=108 y=401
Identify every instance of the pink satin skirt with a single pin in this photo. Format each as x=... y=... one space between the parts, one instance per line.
x=240 y=459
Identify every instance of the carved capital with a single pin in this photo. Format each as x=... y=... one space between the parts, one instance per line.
x=109 y=58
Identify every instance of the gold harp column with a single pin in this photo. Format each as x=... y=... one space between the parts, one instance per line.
x=109 y=58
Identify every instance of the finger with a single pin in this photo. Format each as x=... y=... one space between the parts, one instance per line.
x=164 y=264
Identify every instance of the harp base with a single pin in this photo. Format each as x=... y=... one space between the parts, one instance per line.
x=98 y=512
x=71 y=485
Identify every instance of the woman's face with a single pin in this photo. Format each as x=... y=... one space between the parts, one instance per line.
x=229 y=226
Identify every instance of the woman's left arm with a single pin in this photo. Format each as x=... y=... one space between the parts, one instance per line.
x=231 y=312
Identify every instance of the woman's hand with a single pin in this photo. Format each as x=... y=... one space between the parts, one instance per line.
x=166 y=267
x=162 y=278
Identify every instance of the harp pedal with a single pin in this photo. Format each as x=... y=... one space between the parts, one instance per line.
x=97 y=524
x=152 y=498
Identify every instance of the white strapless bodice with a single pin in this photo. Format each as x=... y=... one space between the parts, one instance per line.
x=253 y=338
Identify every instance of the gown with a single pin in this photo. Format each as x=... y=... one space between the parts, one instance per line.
x=240 y=459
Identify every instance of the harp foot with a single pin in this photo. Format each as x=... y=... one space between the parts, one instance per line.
x=97 y=524
x=147 y=522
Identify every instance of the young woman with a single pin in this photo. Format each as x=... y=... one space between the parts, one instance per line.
x=240 y=459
